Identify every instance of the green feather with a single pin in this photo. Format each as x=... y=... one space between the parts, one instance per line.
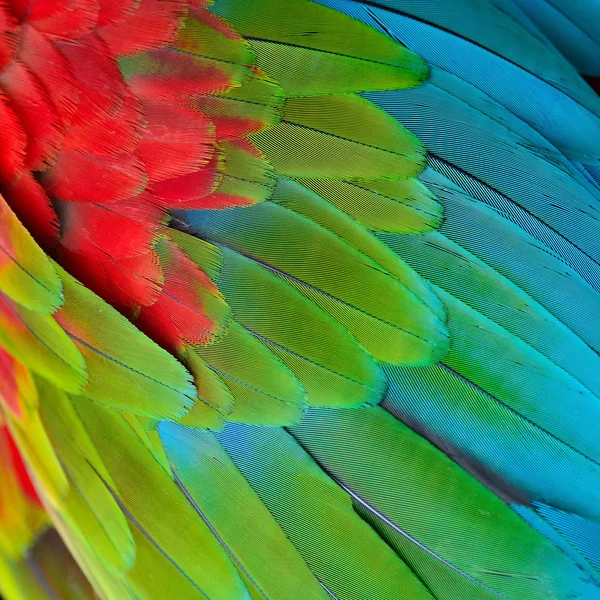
x=340 y=137
x=473 y=282
x=26 y=273
x=264 y=390
x=519 y=376
x=343 y=552
x=312 y=50
x=125 y=368
x=399 y=206
x=271 y=309
x=461 y=539
x=36 y=339
x=89 y=507
x=244 y=526
x=297 y=198
x=386 y=318
x=244 y=174
x=150 y=497
x=214 y=400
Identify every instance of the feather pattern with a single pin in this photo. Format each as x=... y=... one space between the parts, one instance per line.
x=272 y=354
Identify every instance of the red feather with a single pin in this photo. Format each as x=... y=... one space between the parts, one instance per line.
x=113 y=11
x=126 y=283
x=178 y=316
x=35 y=111
x=42 y=57
x=8 y=35
x=167 y=74
x=14 y=141
x=152 y=24
x=187 y=191
x=34 y=10
x=98 y=78
x=80 y=177
x=10 y=392
x=71 y=22
x=112 y=134
x=120 y=229
x=177 y=141
x=32 y=206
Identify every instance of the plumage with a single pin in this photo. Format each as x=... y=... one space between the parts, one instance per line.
x=298 y=299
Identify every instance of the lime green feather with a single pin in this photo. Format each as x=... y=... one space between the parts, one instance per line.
x=36 y=339
x=299 y=199
x=399 y=206
x=89 y=507
x=264 y=390
x=125 y=368
x=244 y=526
x=150 y=497
x=271 y=309
x=291 y=40
x=26 y=273
x=386 y=318
x=340 y=136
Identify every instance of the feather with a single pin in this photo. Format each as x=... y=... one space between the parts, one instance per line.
x=37 y=340
x=536 y=185
x=270 y=308
x=546 y=105
x=582 y=534
x=378 y=318
x=461 y=543
x=246 y=177
x=572 y=28
x=240 y=521
x=35 y=112
x=264 y=390
x=487 y=26
x=343 y=552
x=26 y=274
x=339 y=137
x=89 y=507
x=151 y=498
x=460 y=273
x=340 y=54
x=550 y=273
x=399 y=206
x=119 y=357
x=190 y=308
x=312 y=206
x=215 y=401
x=240 y=111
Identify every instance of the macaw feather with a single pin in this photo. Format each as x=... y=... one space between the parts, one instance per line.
x=340 y=53
x=317 y=515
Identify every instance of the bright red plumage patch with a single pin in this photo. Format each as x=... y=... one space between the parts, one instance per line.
x=187 y=191
x=99 y=80
x=95 y=154
x=179 y=314
x=71 y=21
x=32 y=206
x=120 y=229
x=34 y=110
x=151 y=24
x=166 y=74
x=43 y=58
x=8 y=35
x=79 y=177
x=14 y=141
x=176 y=141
